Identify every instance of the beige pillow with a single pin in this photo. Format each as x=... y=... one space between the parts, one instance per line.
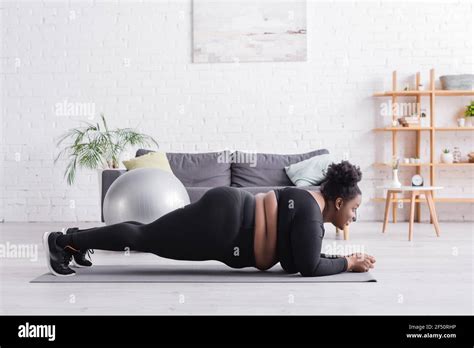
x=150 y=160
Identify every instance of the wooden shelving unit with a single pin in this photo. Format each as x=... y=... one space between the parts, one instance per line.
x=396 y=129
x=431 y=93
x=463 y=164
x=442 y=200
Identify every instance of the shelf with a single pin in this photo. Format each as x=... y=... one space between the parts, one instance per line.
x=401 y=93
x=418 y=200
x=402 y=128
x=453 y=164
x=430 y=168
x=462 y=164
x=455 y=129
x=453 y=93
x=403 y=164
x=438 y=92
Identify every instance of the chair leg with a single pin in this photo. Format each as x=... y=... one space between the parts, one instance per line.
x=412 y=215
x=388 y=203
x=431 y=206
x=346 y=232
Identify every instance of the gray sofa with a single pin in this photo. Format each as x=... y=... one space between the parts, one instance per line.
x=201 y=171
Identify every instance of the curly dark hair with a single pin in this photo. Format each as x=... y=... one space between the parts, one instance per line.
x=341 y=181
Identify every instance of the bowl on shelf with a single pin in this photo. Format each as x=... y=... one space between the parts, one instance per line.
x=457 y=82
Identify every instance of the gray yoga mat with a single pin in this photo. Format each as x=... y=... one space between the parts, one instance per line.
x=194 y=274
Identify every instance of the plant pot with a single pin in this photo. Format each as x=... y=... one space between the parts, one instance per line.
x=447 y=158
x=468 y=122
x=395 y=182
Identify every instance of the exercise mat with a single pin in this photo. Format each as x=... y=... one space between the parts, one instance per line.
x=194 y=274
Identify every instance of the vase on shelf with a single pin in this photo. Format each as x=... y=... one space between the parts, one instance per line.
x=395 y=182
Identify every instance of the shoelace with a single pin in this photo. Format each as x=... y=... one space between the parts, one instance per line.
x=88 y=253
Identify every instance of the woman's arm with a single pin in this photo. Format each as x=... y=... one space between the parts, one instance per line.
x=306 y=242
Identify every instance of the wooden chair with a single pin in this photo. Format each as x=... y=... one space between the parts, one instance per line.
x=346 y=232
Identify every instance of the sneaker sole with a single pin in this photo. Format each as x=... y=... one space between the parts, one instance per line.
x=48 y=257
x=75 y=264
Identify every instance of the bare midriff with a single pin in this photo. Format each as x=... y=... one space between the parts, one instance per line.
x=265 y=232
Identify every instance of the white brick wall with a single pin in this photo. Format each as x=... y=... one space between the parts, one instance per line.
x=133 y=60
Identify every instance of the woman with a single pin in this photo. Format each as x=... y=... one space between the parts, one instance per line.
x=235 y=227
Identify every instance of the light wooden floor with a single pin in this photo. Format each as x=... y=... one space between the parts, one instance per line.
x=427 y=276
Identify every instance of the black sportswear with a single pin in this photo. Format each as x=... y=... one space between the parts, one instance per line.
x=220 y=226
x=300 y=235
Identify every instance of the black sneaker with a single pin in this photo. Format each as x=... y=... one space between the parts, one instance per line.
x=57 y=258
x=80 y=258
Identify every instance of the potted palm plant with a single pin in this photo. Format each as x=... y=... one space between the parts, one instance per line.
x=95 y=146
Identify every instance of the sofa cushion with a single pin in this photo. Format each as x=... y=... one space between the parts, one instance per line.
x=198 y=169
x=266 y=169
x=195 y=193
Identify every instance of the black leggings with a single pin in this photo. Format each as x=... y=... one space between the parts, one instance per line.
x=219 y=226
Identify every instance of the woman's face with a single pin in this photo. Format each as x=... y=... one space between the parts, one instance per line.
x=346 y=211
